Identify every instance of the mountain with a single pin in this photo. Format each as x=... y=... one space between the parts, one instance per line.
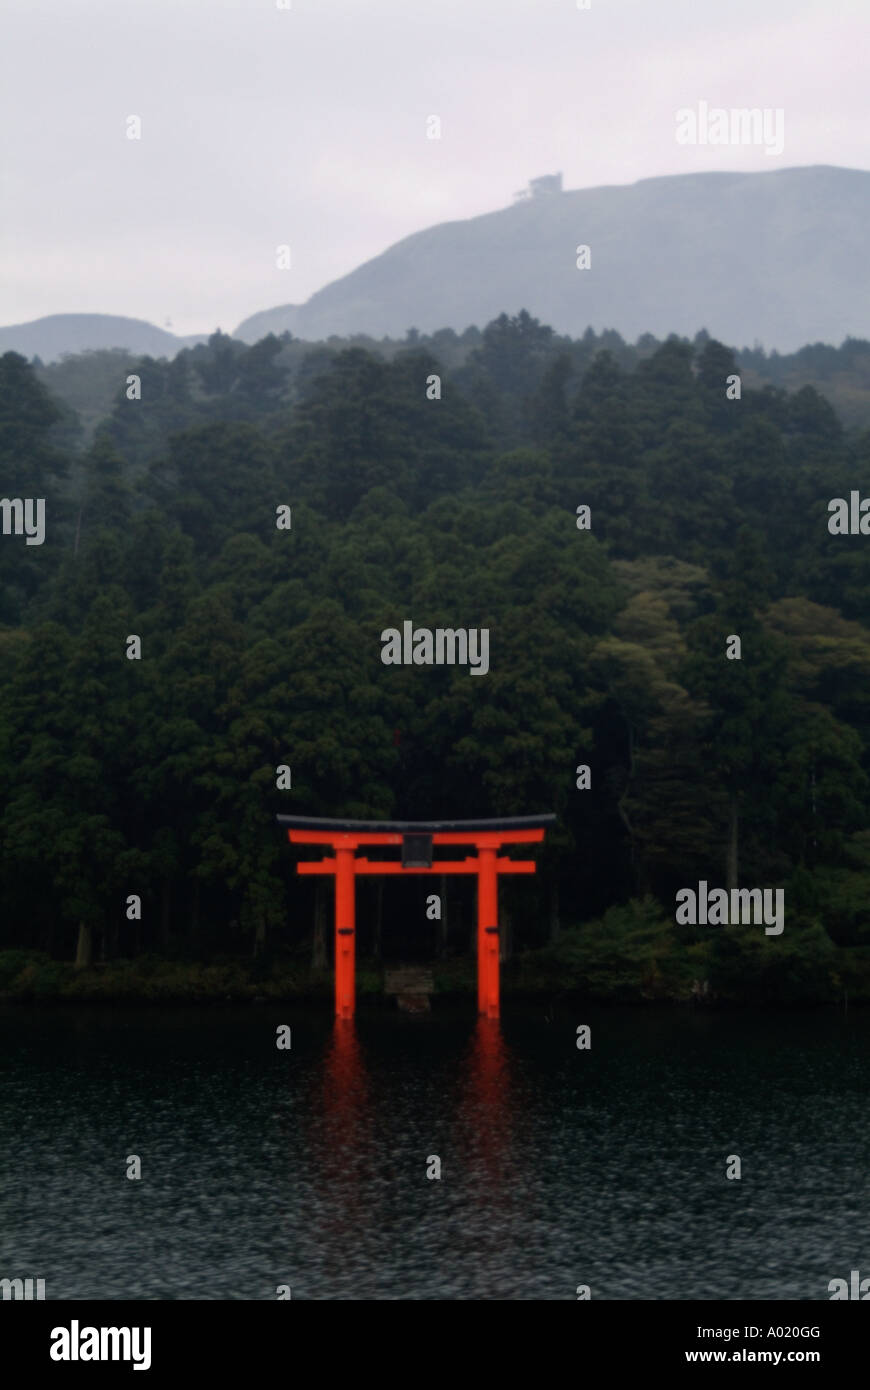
x=277 y=321
x=777 y=258
x=49 y=338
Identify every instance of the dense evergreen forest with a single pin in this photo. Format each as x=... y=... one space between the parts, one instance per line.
x=260 y=648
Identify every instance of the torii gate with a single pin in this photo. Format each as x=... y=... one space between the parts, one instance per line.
x=417 y=839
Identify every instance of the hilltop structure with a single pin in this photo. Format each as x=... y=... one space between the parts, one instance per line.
x=544 y=187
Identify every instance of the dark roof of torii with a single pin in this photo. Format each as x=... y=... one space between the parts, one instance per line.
x=421 y=827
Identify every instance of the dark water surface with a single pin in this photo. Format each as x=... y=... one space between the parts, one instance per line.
x=558 y=1167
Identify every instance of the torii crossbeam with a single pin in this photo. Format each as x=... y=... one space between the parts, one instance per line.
x=417 y=839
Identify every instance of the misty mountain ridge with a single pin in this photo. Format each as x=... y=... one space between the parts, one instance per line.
x=774 y=258
x=56 y=335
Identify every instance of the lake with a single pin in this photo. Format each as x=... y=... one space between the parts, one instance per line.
x=308 y=1167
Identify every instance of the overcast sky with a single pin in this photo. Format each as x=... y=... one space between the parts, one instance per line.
x=307 y=127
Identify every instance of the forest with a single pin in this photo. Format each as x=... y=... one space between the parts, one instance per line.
x=438 y=481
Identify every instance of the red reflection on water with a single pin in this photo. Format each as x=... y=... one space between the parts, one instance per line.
x=343 y=1137
x=487 y=1104
x=345 y=1085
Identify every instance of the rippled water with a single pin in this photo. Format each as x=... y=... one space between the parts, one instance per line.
x=558 y=1167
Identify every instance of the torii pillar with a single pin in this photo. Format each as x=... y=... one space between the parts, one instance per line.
x=345 y=933
x=487 y=933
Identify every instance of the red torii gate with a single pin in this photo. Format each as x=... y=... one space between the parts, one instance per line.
x=417 y=839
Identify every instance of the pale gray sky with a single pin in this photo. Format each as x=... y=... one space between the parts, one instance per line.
x=307 y=126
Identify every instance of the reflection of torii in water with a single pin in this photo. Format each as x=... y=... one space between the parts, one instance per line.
x=417 y=839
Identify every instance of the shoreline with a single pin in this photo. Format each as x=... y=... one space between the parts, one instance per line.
x=33 y=978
